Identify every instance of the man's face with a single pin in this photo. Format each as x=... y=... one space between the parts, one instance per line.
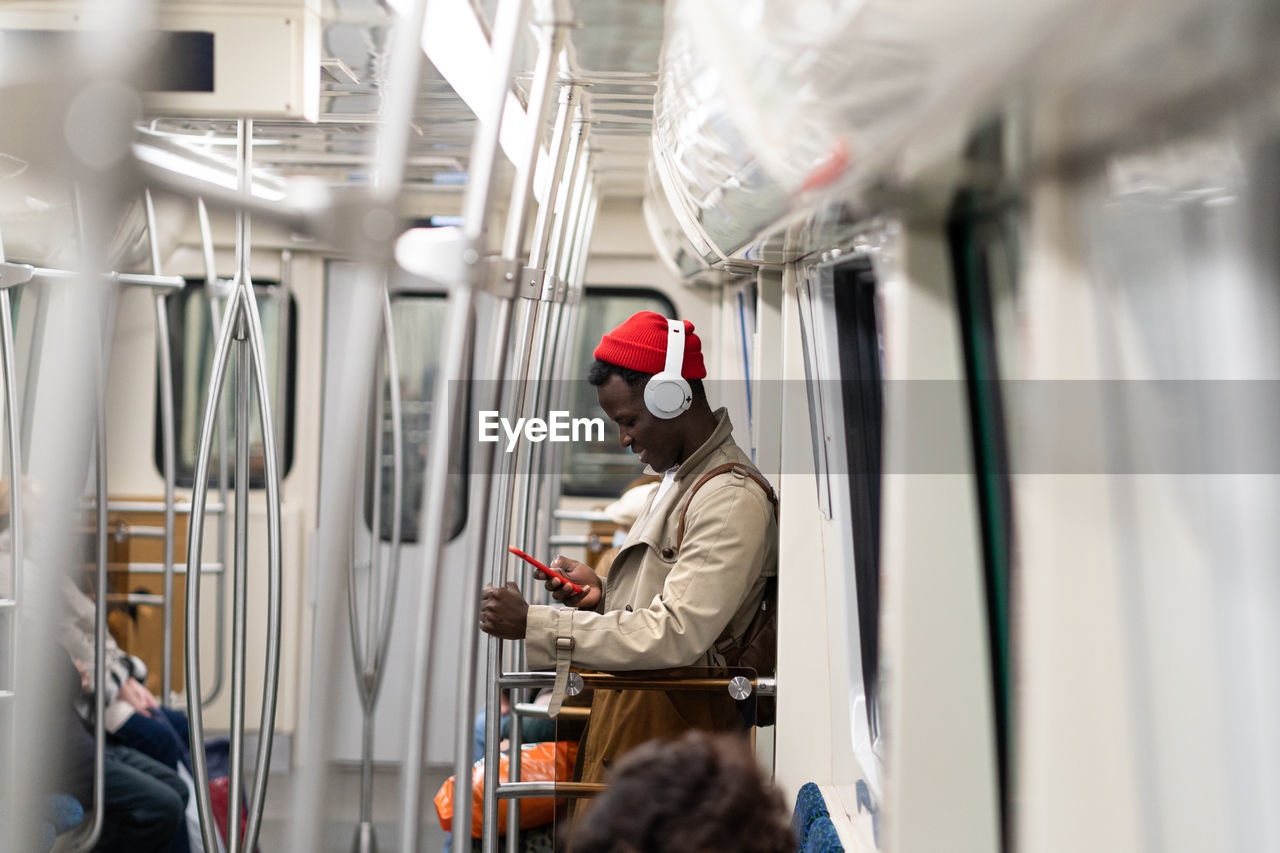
x=656 y=441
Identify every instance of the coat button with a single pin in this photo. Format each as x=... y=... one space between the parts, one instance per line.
x=668 y=553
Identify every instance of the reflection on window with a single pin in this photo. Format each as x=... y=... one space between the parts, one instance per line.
x=602 y=469
x=191 y=345
x=419 y=322
x=862 y=396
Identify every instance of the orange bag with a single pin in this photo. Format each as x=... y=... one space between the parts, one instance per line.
x=551 y=761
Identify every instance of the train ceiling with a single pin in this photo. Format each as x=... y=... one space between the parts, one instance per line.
x=612 y=50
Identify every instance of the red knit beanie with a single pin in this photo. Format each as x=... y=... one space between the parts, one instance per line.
x=640 y=343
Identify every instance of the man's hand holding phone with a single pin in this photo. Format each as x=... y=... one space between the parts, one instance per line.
x=578 y=573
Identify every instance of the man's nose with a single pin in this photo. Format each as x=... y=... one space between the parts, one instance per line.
x=624 y=438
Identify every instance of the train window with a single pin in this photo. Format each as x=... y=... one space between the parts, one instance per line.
x=862 y=400
x=419 y=321
x=602 y=469
x=191 y=343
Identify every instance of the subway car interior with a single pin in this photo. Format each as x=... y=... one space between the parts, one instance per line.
x=298 y=303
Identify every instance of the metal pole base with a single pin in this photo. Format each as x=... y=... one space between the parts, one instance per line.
x=365 y=841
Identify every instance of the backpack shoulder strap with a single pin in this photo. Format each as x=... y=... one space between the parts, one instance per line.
x=742 y=470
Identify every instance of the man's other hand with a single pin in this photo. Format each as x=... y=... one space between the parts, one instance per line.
x=579 y=573
x=503 y=612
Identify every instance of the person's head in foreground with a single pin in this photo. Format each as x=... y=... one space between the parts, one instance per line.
x=702 y=793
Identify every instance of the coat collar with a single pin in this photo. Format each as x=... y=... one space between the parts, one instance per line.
x=721 y=434
x=650 y=525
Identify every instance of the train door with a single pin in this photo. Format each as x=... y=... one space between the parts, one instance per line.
x=418 y=320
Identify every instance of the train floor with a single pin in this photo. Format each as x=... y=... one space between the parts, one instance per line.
x=342 y=809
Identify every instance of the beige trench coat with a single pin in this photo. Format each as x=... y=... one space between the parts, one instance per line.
x=666 y=607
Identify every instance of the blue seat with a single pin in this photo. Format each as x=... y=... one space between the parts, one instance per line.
x=811 y=823
x=62 y=813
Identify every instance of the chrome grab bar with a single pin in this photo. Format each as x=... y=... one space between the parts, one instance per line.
x=158 y=568
x=211 y=282
x=508 y=21
x=165 y=364
x=567 y=196
x=166 y=283
x=369 y=661
x=582 y=515
x=527 y=790
x=542 y=712
x=243 y=326
x=14 y=600
x=180 y=507
x=761 y=685
x=559 y=390
x=89 y=839
x=476 y=207
x=123 y=531
x=535 y=314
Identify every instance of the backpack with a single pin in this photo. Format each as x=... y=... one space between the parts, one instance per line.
x=758 y=648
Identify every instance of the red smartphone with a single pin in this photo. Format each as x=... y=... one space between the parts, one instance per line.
x=546 y=570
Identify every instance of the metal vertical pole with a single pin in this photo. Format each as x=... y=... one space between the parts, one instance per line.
x=243 y=324
x=370 y=664
x=513 y=761
x=283 y=345
x=165 y=370
x=195 y=535
x=573 y=312
x=506 y=32
x=90 y=839
x=275 y=567
x=13 y=603
x=240 y=579
x=533 y=507
x=552 y=42
x=476 y=207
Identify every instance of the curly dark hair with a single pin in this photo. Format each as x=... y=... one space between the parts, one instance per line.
x=700 y=794
x=600 y=371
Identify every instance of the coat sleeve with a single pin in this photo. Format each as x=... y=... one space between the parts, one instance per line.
x=724 y=551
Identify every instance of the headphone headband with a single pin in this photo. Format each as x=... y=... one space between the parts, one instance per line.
x=675 y=347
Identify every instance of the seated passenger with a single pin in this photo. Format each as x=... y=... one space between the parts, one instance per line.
x=144 y=801
x=699 y=794
x=688 y=579
x=133 y=716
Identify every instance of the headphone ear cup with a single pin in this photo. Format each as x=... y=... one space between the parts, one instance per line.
x=667 y=396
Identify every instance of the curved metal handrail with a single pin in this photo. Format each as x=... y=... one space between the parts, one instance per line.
x=165 y=363
x=195 y=528
x=224 y=471
x=369 y=661
x=242 y=323
x=266 y=728
x=542 y=491
x=533 y=328
x=89 y=839
x=397 y=483
x=476 y=207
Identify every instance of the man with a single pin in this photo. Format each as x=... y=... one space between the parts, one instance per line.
x=669 y=601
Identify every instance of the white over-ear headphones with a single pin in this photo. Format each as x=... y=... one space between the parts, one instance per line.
x=667 y=394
